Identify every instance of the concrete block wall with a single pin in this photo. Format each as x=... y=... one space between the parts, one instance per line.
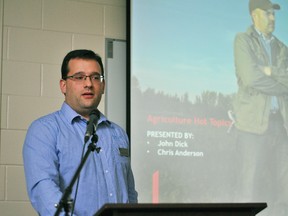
x=36 y=35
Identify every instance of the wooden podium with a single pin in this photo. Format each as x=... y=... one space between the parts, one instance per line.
x=182 y=209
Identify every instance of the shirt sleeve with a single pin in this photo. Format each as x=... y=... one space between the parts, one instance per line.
x=280 y=71
x=248 y=61
x=132 y=193
x=41 y=167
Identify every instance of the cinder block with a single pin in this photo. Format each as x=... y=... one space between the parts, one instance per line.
x=38 y=46
x=4 y=100
x=73 y=16
x=115 y=22
x=109 y=2
x=2 y=182
x=50 y=81
x=23 y=110
x=16 y=185
x=23 y=13
x=11 y=147
x=92 y=42
x=11 y=208
x=25 y=77
x=5 y=43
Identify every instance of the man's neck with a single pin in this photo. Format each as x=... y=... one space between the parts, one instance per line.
x=264 y=35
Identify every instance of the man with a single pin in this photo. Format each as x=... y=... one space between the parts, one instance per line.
x=261 y=105
x=54 y=146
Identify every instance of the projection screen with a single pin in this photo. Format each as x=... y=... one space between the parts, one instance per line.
x=182 y=89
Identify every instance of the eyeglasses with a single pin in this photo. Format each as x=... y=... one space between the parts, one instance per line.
x=79 y=77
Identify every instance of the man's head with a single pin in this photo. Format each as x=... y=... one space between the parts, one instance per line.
x=82 y=81
x=262 y=13
x=262 y=4
x=81 y=54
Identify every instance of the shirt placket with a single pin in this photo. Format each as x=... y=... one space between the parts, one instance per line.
x=108 y=171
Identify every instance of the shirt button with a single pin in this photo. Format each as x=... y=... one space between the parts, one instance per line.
x=110 y=194
x=106 y=171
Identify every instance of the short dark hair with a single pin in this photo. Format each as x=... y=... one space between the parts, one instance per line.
x=80 y=54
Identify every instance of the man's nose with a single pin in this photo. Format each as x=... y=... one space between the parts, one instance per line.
x=88 y=81
x=272 y=17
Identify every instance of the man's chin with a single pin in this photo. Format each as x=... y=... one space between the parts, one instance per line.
x=271 y=28
x=91 y=107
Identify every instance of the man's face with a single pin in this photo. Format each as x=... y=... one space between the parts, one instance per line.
x=264 y=20
x=83 y=95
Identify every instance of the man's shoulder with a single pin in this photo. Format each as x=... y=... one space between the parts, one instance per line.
x=280 y=43
x=50 y=120
x=248 y=38
x=250 y=32
x=117 y=128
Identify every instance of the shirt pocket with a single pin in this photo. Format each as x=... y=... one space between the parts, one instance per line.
x=121 y=155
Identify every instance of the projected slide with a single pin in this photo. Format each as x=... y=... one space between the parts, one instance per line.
x=184 y=85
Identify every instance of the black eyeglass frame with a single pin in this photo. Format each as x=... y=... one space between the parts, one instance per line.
x=83 y=77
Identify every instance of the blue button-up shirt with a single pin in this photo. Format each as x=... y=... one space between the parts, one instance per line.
x=52 y=152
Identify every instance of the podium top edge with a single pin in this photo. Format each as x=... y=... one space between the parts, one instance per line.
x=172 y=205
x=253 y=207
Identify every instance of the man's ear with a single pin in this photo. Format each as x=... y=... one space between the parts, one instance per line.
x=103 y=87
x=254 y=15
x=62 y=84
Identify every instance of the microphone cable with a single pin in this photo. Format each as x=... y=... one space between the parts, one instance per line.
x=93 y=118
x=77 y=184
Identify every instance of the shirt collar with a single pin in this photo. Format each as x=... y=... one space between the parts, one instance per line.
x=263 y=37
x=72 y=116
